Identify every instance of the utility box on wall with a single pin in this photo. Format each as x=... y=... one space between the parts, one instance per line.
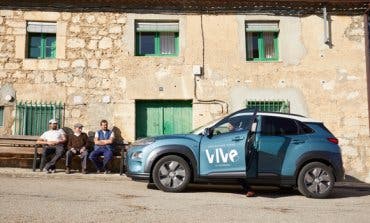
x=197 y=70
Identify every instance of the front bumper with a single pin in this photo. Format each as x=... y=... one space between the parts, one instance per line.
x=139 y=176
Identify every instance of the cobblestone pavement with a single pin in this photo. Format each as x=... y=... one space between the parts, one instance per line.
x=37 y=197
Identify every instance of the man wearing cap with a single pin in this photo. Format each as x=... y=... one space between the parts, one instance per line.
x=103 y=146
x=77 y=144
x=52 y=140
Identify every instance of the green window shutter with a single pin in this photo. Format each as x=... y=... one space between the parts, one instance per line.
x=276 y=45
x=43 y=45
x=1 y=116
x=157 y=44
x=261 y=46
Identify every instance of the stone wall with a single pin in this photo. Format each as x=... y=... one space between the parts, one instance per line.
x=97 y=75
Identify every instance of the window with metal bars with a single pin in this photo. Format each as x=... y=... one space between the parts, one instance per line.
x=269 y=106
x=32 y=117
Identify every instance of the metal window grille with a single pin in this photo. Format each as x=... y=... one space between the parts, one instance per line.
x=270 y=105
x=32 y=117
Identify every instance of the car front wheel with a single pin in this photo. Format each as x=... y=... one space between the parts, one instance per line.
x=171 y=174
x=316 y=180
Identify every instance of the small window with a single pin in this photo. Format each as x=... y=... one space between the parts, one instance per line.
x=262 y=41
x=1 y=116
x=304 y=129
x=269 y=106
x=41 y=40
x=276 y=126
x=157 y=38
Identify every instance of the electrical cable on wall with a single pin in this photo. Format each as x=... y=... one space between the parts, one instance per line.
x=212 y=101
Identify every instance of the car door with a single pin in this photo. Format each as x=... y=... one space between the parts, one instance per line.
x=278 y=136
x=223 y=152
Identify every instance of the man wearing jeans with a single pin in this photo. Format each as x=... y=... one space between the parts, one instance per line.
x=103 y=147
x=52 y=140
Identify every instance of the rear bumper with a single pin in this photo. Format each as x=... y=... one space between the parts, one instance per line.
x=339 y=173
x=338 y=169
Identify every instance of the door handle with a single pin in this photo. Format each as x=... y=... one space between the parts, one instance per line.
x=238 y=138
x=297 y=141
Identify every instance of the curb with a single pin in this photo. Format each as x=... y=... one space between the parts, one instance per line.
x=60 y=174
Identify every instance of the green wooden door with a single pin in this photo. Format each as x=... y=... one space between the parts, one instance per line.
x=163 y=117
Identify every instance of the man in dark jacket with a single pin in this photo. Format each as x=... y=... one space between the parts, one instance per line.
x=77 y=145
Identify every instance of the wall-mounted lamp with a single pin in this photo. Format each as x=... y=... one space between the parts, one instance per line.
x=8 y=98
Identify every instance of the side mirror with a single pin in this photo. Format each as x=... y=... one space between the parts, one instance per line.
x=254 y=127
x=208 y=132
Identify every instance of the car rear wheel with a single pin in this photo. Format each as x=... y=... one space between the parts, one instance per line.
x=171 y=174
x=316 y=180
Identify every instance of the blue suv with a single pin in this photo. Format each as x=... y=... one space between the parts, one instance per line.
x=263 y=148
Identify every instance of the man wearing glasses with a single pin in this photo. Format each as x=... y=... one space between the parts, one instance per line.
x=53 y=142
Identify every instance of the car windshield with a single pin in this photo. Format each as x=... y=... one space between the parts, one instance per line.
x=200 y=129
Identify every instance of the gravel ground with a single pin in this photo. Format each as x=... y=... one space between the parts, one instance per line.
x=37 y=197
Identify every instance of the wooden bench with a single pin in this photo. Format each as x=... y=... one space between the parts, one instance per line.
x=21 y=144
x=9 y=144
x=118 y=153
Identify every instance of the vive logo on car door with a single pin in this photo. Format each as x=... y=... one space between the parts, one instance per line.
x=219 y=156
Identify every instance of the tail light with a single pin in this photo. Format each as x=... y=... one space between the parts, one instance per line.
x=333 y=140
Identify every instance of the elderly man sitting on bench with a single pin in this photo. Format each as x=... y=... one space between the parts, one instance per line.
x=52 y=140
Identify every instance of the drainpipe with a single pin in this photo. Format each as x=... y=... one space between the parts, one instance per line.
x=367 y=59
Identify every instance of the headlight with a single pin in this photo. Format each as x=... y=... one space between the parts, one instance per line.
x=143 y=142
x=137 y=155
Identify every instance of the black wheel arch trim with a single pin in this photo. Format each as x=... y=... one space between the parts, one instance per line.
x=333 y=159
x=171 y=150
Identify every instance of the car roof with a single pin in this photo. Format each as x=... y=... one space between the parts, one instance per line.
x=277 y=114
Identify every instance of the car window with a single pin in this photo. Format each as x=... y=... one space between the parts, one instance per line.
x=232 y=124
x=278 y=126
x=304 y=129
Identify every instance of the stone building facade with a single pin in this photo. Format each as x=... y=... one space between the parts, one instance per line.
x=96 y=73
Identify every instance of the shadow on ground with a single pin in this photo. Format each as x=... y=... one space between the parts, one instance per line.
x=347 y=189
